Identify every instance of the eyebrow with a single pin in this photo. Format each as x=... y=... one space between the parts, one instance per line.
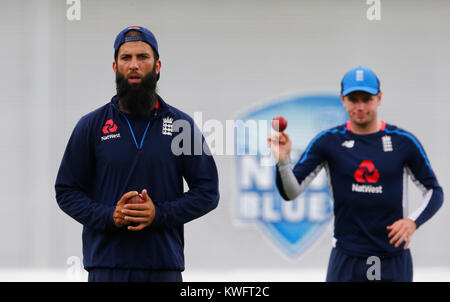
x=138 y=54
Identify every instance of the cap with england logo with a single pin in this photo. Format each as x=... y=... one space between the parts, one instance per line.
x=360 y=79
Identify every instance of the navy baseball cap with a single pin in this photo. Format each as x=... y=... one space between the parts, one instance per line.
x=146 y=36
x=360 y=79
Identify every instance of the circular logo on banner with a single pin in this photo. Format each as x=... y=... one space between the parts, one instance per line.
x=293 y=226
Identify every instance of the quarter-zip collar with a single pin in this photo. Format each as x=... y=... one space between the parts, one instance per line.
x=160 y=108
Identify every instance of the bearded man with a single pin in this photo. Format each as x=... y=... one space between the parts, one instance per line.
x=122 y=178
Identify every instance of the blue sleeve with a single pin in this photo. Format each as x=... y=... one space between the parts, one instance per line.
x=200 y=173
x=74 y=182
x=308 y=166
x=424 y=177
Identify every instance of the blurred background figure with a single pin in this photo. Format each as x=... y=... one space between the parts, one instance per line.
x=366 y=161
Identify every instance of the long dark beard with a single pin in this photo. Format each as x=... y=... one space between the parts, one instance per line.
x=140 y=99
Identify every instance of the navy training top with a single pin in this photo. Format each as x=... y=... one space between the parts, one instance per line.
x=368 y=183
x=104 y=159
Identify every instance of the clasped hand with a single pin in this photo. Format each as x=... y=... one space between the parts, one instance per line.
x=141 y=214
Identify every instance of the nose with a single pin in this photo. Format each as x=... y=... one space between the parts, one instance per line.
x=360 y=105
x=134 y=64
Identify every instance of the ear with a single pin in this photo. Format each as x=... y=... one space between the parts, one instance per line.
x=158 y=66
x=380 y=94
x=114 y=66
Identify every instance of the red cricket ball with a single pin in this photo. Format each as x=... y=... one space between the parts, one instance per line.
x=135 y=199
x=279 y=123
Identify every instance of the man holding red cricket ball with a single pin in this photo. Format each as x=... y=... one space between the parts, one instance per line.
x=367 y=162
x=126 y=146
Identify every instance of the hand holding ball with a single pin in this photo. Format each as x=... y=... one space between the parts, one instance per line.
x=279 y=142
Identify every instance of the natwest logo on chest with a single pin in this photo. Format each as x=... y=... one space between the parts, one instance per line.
x=366 y=173
x=109 y=129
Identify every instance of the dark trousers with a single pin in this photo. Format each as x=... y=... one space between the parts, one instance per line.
x=345 y=268
x=132 y=275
